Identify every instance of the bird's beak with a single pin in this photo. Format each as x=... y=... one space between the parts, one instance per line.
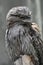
x=35 y=27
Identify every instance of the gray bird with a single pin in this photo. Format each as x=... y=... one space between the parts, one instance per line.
x=22 y=36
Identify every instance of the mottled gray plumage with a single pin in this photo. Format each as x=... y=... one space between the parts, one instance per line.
x=21 y=38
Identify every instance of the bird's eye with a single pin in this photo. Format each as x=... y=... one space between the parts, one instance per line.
x=13 y=15
x=21 y=16
x=25 y=17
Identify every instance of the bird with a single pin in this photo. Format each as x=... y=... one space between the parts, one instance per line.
x=22 y=36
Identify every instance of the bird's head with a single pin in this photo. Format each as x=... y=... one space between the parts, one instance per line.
x=18 y=13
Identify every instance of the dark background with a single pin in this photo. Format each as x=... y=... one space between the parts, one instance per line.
x=36 y=6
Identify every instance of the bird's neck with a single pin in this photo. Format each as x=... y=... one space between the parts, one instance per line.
x=12 y=23
x=18 y=22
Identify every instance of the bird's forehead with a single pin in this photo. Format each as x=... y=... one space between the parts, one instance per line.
x=20 y=10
